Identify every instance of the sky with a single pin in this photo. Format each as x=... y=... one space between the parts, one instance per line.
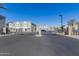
x=41 y=13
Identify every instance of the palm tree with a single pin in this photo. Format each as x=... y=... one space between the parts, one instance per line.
x=71 y=23
x=2 y=6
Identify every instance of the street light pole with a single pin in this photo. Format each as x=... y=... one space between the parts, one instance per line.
x=61 y=22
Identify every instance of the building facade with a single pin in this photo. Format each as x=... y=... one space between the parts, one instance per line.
x=73 y=29
x=25 y=26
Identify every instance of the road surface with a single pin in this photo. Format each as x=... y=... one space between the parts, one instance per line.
x=47 y=45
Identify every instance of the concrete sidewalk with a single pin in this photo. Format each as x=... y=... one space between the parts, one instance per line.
x=72 y=36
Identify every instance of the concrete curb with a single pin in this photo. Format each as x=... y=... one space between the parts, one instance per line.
x=7 y=35
x=73 y=36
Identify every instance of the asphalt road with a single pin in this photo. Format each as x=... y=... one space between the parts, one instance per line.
x=47 y=45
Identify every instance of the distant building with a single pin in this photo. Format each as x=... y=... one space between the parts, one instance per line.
x=51 y=28
x=42 y=27
x=45 y=27
x=25 y=26
x=2 y=23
